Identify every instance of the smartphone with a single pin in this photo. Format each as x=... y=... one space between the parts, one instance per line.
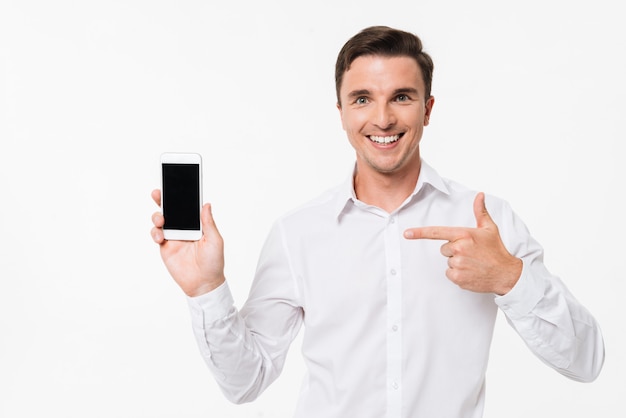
x=181 y=195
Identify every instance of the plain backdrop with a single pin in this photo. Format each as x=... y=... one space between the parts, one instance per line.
x=530 y=100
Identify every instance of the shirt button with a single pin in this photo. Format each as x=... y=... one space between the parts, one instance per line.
x=393 y=272
x=395 y=385
x=394 y=328
x=392 y=220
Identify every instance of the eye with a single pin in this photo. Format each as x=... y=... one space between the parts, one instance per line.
x=360 y=100
x=402 y=98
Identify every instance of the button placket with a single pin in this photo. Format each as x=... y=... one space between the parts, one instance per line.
x=394 y=316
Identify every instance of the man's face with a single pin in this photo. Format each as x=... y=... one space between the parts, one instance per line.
x=384 y=111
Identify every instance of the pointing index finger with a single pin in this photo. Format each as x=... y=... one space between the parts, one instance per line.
x=448 y=233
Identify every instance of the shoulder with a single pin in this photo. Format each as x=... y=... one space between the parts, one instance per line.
x=323 y=208
x=459 y=192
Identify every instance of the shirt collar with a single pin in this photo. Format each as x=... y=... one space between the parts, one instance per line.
x=346 y=196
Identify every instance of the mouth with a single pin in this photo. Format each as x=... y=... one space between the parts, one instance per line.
x=384 y=140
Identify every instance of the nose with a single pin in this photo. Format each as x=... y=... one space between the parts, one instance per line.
x=384 y=116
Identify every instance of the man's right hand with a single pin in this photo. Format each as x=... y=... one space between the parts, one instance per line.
x=196 y=266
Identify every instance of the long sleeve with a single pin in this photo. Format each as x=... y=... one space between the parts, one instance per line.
x=246 y=350
x=555 y=326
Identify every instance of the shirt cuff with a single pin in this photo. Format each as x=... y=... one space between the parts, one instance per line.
x=212 y=306
x=524 y=296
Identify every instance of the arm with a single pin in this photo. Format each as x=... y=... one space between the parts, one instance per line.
x=244 y=350
x=551 y=321
x=508 y=262
x=243 y=358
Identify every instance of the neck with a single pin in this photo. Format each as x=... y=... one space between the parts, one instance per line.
x=385 y=190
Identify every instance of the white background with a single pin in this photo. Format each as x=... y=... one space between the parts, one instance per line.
x=530 y=100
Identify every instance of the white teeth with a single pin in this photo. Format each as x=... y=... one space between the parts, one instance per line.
x=384 y=139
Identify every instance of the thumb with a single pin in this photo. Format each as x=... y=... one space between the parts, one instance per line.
x=208 y=223
x=483 y=219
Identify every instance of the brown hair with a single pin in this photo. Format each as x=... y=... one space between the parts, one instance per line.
x=388 y=42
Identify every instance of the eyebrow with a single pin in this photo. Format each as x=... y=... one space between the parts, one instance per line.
x=358 y=93
x=409 y=90
x=365 y=92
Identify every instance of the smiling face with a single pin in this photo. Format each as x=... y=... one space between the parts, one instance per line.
x=384 y=111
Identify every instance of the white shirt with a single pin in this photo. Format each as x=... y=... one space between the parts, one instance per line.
x=386 y=333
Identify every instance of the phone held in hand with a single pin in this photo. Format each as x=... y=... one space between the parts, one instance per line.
x=181 y=195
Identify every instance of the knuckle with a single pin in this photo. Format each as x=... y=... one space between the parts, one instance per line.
x=453 y=275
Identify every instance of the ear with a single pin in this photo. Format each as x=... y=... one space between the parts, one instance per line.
x=341 y=115
x=428 y=108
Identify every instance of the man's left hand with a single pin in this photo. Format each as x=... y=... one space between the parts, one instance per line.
x=477 y=258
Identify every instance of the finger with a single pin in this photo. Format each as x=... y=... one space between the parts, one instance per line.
x=451 y=261
x=158 y=220
x=483 y=219
x=156 y=196
x=449 y=233
x=447 y=250
x=157 y=235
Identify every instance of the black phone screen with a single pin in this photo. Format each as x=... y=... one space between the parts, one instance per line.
x=181 y=196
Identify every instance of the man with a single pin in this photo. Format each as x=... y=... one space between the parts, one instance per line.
x=398 y=311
